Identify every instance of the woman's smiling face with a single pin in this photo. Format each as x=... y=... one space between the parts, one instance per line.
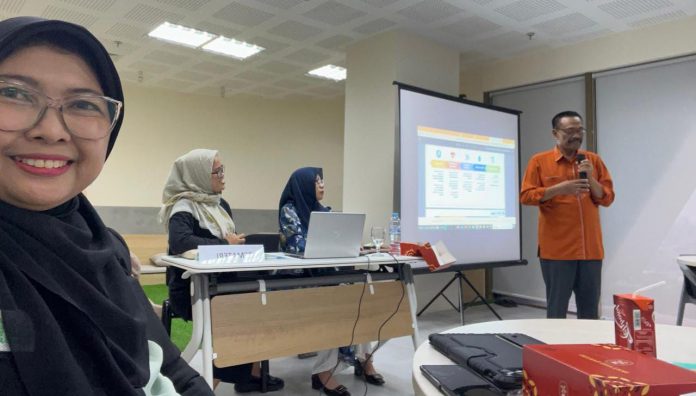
x=46 y=166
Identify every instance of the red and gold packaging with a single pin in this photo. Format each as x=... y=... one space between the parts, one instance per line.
x=634 y=323
x=598 y=370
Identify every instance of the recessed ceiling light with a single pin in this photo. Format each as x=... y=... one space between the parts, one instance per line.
x=331 y=72
x=182 y=35
x=233 y=48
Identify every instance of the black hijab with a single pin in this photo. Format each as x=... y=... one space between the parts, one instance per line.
x=300 y=191
x=75 y=320
x=15 y=33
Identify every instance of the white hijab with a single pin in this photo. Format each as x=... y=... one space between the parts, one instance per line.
x=189 y=189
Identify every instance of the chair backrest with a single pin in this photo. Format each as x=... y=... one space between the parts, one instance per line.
x=689 y=279
x=269 y=240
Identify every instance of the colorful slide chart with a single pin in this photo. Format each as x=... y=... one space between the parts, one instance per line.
x=464 y=179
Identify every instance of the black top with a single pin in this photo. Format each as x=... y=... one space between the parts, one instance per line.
x=185 y=234
x=75 y=321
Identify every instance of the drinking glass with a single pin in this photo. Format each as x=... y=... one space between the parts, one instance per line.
x=378 y=235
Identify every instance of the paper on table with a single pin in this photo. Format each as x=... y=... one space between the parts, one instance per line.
x=443 y=255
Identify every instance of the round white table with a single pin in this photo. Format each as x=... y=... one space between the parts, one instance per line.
x=687 y=260
x=674 y=343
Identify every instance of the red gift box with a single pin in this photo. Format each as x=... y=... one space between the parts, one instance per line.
x=600 y=369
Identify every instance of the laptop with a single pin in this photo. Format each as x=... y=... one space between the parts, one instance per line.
x=333 y=235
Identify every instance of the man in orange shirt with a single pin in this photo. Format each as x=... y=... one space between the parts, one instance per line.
x=568 y=185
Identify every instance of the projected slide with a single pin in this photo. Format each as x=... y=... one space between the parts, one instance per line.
x=463 y=177
x=459 y=175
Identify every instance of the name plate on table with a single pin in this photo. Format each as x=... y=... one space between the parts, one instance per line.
x=225 y=254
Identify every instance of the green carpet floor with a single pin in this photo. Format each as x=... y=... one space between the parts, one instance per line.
x=181 y=330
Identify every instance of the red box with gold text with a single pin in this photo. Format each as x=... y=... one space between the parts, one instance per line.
x=600 y=369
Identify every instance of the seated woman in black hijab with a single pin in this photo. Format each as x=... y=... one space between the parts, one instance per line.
x=301 y=196
x=194 y=214
x=72 y=319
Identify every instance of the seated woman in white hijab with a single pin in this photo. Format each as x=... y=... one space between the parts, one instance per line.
x=194 y=214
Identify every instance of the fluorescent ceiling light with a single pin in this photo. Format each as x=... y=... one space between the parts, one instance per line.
x=181 y=35
x=233 y=48
x=331 y=72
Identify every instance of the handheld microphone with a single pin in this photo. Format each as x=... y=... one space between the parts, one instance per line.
x=579 y=158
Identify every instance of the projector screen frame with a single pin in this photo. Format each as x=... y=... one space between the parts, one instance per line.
x=459 y=99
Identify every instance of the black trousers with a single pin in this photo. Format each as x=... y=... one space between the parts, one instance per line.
x=563 y=277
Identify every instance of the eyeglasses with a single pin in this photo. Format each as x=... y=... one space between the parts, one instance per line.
x=219 y=172
x=85 y=116
x=573 y=131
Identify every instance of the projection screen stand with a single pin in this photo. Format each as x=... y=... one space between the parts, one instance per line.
x=459 y=276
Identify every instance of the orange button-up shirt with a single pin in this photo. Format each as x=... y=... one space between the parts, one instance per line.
x=569 y=227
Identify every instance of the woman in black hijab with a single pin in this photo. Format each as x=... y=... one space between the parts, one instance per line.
x=72 y=319
x=301 y=196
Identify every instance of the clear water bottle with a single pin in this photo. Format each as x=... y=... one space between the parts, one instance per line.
x=395 y=234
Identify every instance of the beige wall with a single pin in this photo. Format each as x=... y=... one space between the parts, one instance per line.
x=373 y=65
x=636 y=46
x=260 y=140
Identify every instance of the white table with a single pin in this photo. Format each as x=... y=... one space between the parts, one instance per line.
x=199 y=351
x=689 y=260
x=674 y=343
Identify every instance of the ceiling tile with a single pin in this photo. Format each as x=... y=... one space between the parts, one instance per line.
x=173 y=84
x=290 y=84
x=233 y=84
x=522 y=10
x=294 y=30
x=193 y=76
x=212 y=67
x=149 y=67
x=118 y=47
x=627 y=8
x=218 y=29
x=151 y=15
x=336 y=43
x=270 y=46
x=267 y=91
x=654 y=20
x=128 y=75
x=379 y=3
x=12 y=6
x=92 y=5
x=190 y=5
x=63 y=14
x=428 y=11
x=471 y=27
x=570 y=23
x=282 y=4
x=129 y=32
x=587 y=36
x=333 y=13
x=242 y=14
x=255 y=76
x=507 y=42
x=166 y=57
x=306 y=56
x=375 y=26
x=278 y=67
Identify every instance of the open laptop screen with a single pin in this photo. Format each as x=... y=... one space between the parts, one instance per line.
x=334 y=235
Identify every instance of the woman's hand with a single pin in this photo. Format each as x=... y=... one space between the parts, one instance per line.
x=236 y=239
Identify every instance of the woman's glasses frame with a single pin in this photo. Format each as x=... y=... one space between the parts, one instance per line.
x=219 y=172
x=41 y=103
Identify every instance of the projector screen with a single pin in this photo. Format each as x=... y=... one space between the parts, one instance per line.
x=459 y=175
